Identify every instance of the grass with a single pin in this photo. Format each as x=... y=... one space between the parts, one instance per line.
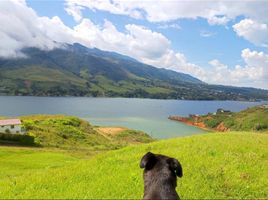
x=42 y=74
x=215 y=165
x=15 y=161
x=69 y=132
x=251 y=119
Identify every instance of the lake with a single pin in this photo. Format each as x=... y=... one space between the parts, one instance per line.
x=148 y=115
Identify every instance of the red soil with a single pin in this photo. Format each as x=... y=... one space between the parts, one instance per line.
x=196 y=121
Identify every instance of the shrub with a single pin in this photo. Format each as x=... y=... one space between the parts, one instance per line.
x=259 y=127
x=7 y=131
x=28 y=125
x=21 y=139
x=213 y=123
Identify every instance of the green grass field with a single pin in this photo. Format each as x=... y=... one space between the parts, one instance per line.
x=215 y=165
x=16 y=161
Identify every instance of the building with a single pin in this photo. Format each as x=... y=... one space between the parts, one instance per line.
x=12 y=126
x=220 y=110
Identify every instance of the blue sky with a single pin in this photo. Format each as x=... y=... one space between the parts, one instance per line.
x=223 y=44
x=220 y=42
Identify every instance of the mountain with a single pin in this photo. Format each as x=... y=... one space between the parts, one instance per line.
x=75 y=70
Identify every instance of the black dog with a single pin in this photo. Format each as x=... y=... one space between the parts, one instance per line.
x=160 y=176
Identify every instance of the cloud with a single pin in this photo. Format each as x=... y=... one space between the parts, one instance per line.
x=18 y=29
x=258 y=61
x=74 y=10
x=253 y=73
x=218 y=12
x=252 y=31
x=138 y=41
x=168 y=26
x=218 y=20
x=206 y=33
x=74 y=7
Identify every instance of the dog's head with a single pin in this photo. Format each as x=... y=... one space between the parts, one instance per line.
x=160 y=165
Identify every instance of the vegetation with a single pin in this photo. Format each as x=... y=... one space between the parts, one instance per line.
x=17 y=138
x=79 y=71
x=215 y=165
x=16 y=161
x=72 y=133
x=251 y=119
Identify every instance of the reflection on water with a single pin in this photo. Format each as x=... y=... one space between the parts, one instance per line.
x=157 y=128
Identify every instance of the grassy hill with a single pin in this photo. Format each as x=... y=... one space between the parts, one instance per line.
x=215 y=165
x=251 y=119
x=73 y=133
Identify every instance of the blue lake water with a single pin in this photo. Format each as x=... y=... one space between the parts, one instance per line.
x=149 y=115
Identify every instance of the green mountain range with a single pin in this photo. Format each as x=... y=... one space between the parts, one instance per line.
x=75 y=70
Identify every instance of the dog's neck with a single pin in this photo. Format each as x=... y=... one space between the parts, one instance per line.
x=166 y=183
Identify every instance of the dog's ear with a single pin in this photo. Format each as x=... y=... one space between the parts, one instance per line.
x=176 y=166
x=148 y=161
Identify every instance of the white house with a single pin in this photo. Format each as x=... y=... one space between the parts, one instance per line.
x=12 y=126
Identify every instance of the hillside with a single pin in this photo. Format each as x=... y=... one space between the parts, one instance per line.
x=251 y=119
x=79 y=71
x=72 y=133
x=215 y=166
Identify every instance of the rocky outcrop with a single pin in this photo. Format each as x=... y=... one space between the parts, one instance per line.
x=221 y=127
x=197 y=121
x=193 y=121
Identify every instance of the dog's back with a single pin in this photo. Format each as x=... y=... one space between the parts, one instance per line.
x=160 y=176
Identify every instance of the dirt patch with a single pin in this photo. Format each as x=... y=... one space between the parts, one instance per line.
x=221 y=127
x=110 y=130
x=200 y=125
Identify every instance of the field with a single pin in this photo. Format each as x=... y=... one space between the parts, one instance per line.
x=215 y=165
x=20 y=160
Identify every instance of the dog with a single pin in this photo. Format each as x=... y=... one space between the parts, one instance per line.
x=160 y=176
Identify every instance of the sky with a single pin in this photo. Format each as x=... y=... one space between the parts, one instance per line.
x=220 y=42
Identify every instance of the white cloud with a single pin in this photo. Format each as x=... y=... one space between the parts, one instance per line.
x=56 y=30
x=252 y=31
x=218 y=20
x=254 y=73
x=216 y=12
x=168 y=26
x=74 y=10
x=20 y=27
x=138 y=41
x=74 y=7
x=258 y=61
x=204 y=33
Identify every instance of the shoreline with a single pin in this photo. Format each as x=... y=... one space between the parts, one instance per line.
x=143 y=98
x=195 y=123
x=187 y=121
